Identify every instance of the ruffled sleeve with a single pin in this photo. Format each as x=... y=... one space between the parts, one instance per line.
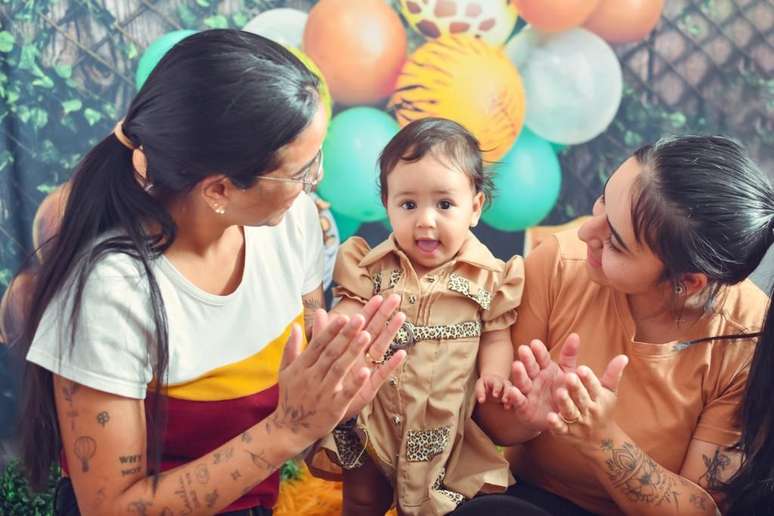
x=352 y=281
x=507 y=297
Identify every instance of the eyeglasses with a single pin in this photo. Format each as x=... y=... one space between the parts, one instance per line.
x=309 y=176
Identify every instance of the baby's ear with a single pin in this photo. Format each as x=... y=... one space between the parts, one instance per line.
x=478 y=204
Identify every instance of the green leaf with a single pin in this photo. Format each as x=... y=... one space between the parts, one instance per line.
x=92 y=116
x=38 y=117
x=6 y=41
x=43 y=82
x=46 y=189
x=677 y=119
x=72 y=105
x=28 y=55
x=131 y=51
x=187 y=16
x=12 y=97
x=203 y=3
x=240 y=19
x=64 y=71
x=216 y=22
x=110 y=110
x=23 y=114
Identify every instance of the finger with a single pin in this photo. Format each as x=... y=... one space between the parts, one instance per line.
x=556 y=425
x=568 y=354
x=613 y=372
x=590 y=381
x=497 y=387
x=386 y=335
x=578 y=393
x=341 y=366
x=480 y=390
x=339 y=344
x=566 y=406
x=378 y=320
x=292 y=347
x=371 y=308
x=513 y=398
x=322 y=338
x=358 y=378
x=320 y=320
x=528 y=359
x=384 y=371
x=541 y=353
x=520 y=378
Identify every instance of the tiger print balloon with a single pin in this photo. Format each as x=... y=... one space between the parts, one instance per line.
x=466 y=80
x=491 y=20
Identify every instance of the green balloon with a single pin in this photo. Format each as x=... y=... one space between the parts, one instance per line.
x=527 y=182
x=346 y=226
x=155 y=51
x=355 y=138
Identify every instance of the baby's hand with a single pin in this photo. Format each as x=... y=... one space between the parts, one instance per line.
x=492 y=385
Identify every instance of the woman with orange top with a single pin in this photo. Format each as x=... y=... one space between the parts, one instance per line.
x=654 y=285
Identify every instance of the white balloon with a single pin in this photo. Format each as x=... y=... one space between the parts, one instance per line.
x=572 y=81
x=285 y=26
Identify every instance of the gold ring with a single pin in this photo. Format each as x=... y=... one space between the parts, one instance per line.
x=371 y=359
x=569 y=421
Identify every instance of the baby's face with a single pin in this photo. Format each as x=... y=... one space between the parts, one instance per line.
x=431 y=206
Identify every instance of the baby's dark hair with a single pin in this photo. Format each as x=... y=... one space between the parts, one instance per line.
x=448 y=140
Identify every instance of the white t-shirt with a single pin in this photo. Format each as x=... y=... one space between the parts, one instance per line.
x=206 y=332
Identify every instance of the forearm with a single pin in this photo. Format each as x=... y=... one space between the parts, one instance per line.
x=312 y=302
x=638 y=484
x=501 y=425
x=212 y=482
x=495 y=354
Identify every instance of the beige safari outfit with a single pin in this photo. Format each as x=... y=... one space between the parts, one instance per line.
x=419 y=430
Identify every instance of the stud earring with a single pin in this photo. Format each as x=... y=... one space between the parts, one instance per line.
x=679 y=289
x=220 y=210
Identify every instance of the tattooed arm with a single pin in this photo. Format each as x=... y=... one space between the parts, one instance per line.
x=636 y=482
x=312 y=301
x=104 y=436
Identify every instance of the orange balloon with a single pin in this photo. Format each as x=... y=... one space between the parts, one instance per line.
x=360 y=46
x=555 y=15
x=48 y=218
x=623 y=21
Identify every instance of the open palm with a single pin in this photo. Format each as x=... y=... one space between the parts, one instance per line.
x=538 y=376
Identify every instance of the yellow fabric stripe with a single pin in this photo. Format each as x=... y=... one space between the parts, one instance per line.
x=249 y=376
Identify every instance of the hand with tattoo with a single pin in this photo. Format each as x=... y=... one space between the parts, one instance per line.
x=332 y=378
x=586 y=403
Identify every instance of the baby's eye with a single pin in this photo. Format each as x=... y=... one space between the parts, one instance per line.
x=445 y=205
x=408 y=205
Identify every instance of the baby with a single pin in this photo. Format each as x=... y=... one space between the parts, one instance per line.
x=416 y=444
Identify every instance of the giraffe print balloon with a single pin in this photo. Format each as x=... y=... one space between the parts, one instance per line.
x=490 y=20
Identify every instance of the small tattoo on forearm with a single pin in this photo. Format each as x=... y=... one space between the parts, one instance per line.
x=235 y=474
x=130 y=471
x=260 y=462
x=715 y=465
x=211 y=498
x=222 y=455
x=699 y=501
x=638 y=476
x=246 y=437
x=140 y=507
x=85 y=448
x=129 y=459
x=103 y=418
x=202 y=474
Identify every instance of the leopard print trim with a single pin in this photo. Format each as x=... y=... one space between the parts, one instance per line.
x=376 y=279
x=423 y=445
x=438 y=486
x=462 y=285
x=349 y=448
x=395 y=277
x=408 y=334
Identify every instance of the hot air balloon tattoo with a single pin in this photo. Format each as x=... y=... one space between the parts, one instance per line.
x=85 y=447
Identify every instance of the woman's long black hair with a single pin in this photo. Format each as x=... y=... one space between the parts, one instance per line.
x=219 y=102
x=703 y=206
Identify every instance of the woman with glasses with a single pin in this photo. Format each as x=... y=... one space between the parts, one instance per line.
x=163 y=339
